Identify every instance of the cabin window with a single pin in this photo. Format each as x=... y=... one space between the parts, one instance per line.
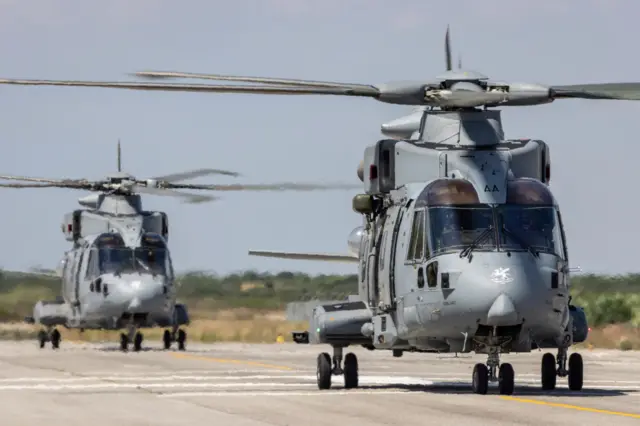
x=417 y=241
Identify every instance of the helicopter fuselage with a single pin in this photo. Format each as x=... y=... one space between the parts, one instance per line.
x=462 y=247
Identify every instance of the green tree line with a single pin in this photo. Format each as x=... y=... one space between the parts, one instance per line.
x=606 y=299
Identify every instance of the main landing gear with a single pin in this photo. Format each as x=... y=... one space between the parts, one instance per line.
x=552 y=367
x=49 y=335
x=133 y=336
x=328 y=367
x=176 y=335
x=483 y=374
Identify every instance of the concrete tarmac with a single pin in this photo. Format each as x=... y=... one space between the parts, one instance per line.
x=274 y=384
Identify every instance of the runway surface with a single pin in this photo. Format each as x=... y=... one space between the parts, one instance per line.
x=257 y=385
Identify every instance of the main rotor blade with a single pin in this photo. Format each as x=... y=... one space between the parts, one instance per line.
x=29 y=185
x=177 y=177
x=620 y=91
x=190 y=198
x=284 y=186
x=246 y=79
x=44 y=180
x=366 y=91
x=326 y=257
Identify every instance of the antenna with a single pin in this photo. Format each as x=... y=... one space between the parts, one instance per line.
x=447 y=50
x=119 y=157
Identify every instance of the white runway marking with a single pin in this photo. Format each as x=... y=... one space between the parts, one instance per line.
x=281 y=393
x=230 y=383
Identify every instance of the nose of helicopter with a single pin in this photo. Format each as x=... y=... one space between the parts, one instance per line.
x=502 y=311
x=147 y=294
x=501 y=296
x=138 y=293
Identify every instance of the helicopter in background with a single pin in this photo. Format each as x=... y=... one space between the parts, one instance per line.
x=119 y=274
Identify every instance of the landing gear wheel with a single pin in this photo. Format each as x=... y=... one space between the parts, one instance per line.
x=124 y=342
x=575 y=372
x=323 y=372
x=166 y=339
x=548 y=372
x=506 y=378
x=480 y=383
x=350 y=371
x=137 y=342
x=182 y=339
x=55 y=339
x=42 y=338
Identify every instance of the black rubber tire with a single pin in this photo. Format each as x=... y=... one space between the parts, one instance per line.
x=137 y=342
x=323 y=372
x=55 y=339
x=480 y=380
x=350 y=371
x=124 y=342
x=548 y=372
x=42 y=338
x=576 y=371
x=182 y=340
x=166 y=339
x=506 y=379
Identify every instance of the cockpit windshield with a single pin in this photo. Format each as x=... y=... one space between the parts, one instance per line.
x=457 y=221
x=454 y=228
x=530 y=220
x=152 y=254
x=111 y=255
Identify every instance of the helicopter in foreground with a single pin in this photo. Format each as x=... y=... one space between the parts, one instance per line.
x=119 y=274
x=462 y=246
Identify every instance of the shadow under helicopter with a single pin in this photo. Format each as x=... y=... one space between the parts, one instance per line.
x=462 y=388
x=142 y=349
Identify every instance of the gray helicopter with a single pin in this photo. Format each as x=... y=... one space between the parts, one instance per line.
x=119 y=273
x=462 y=246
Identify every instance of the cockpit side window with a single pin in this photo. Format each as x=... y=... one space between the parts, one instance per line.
x=417 y=242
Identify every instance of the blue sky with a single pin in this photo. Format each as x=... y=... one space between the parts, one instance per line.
x=72 y=132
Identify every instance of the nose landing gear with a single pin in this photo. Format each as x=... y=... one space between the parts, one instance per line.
x=175 y=335
x=49 y=335
x=483 y=374
x=552 y=367
x=134 y=336
x=328 y=367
